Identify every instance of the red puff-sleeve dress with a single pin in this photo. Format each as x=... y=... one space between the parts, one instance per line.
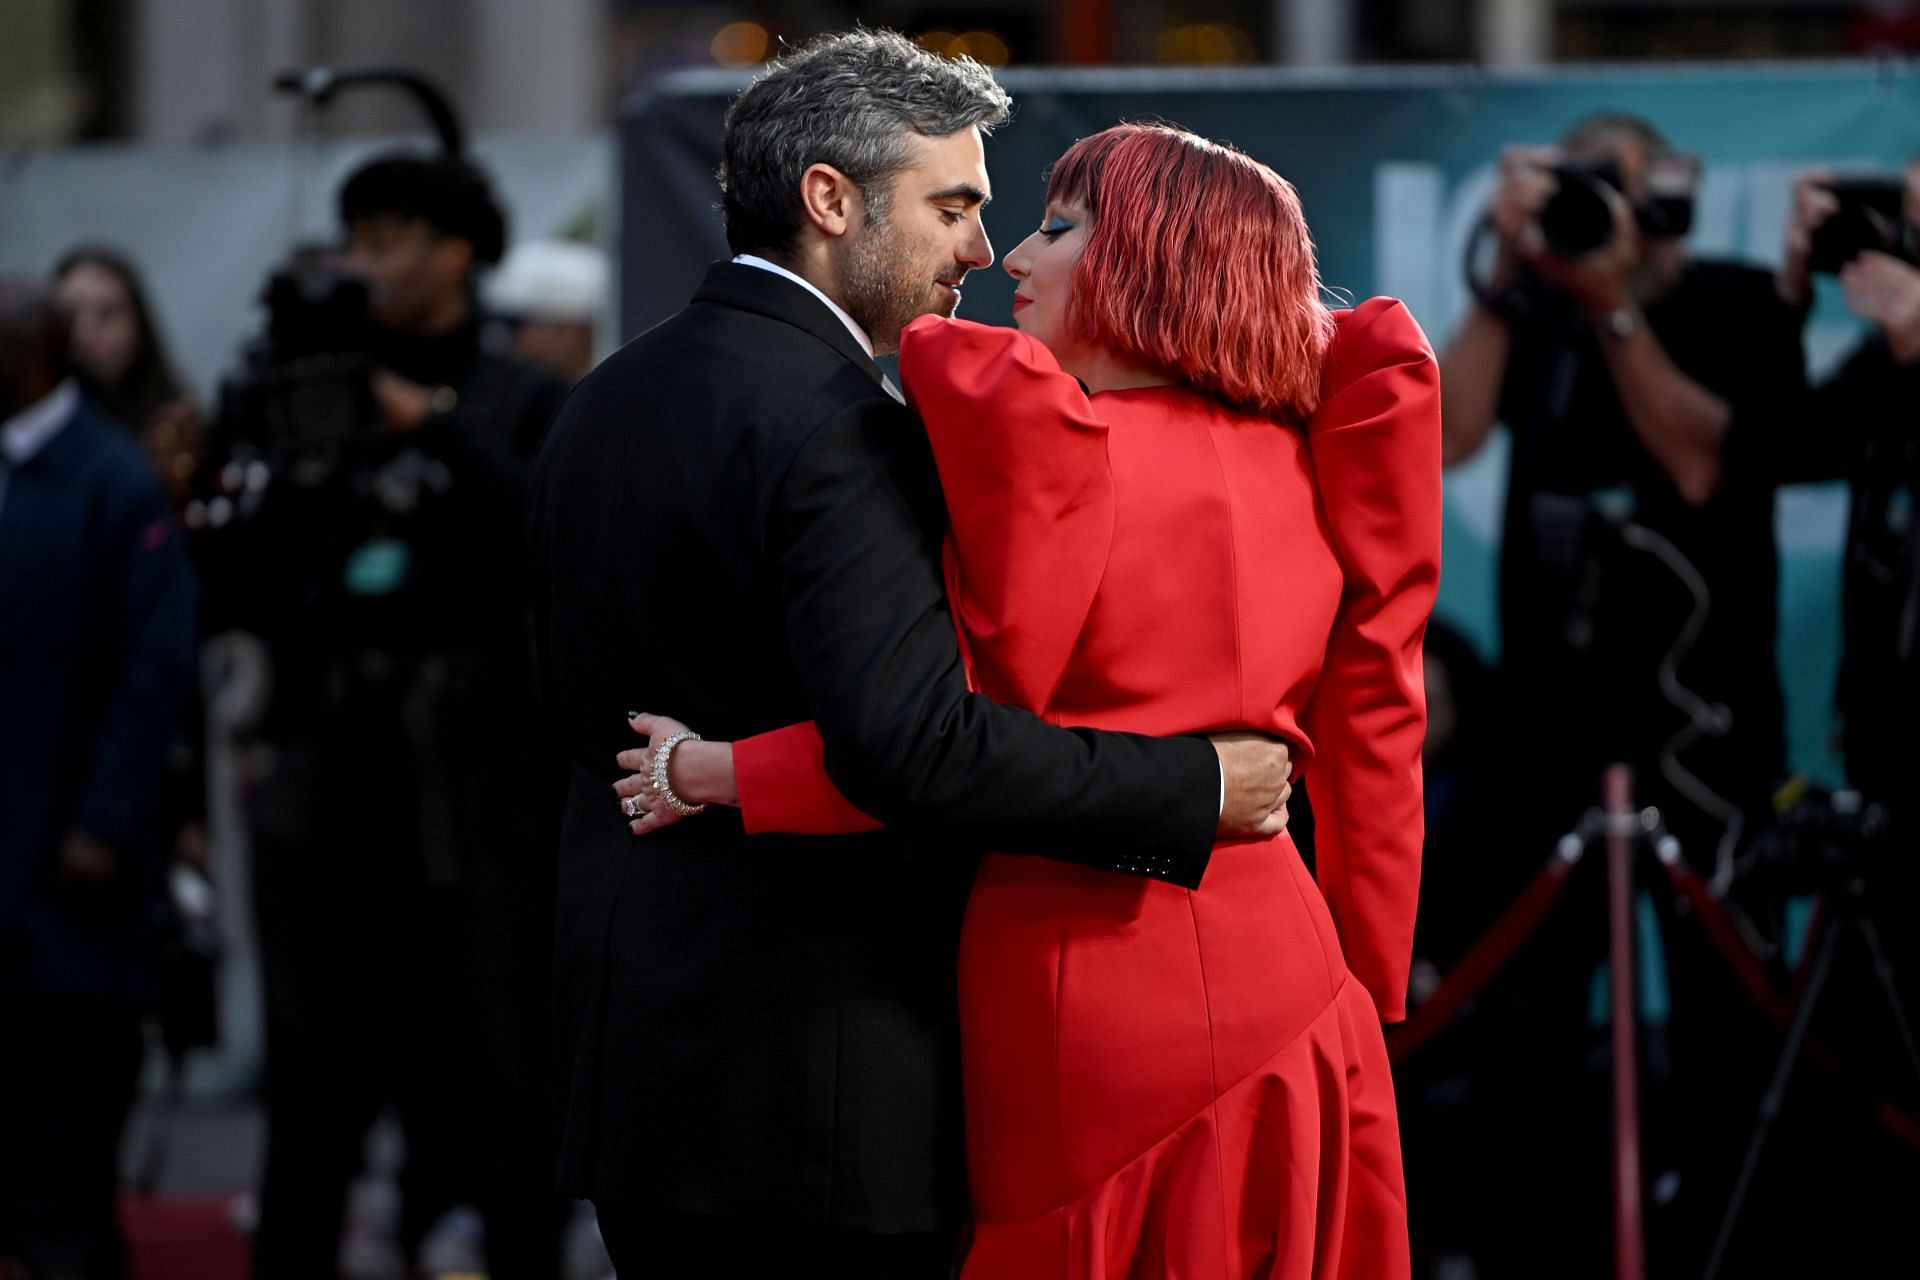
x=1162 y=1082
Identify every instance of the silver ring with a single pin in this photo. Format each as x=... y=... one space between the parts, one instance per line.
x=631 y=806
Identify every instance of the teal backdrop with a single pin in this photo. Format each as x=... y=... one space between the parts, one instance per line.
x=1393 y=167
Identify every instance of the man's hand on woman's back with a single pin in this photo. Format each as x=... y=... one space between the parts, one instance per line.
x=1255 y=770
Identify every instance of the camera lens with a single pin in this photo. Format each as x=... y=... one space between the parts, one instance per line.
x=1576 y=219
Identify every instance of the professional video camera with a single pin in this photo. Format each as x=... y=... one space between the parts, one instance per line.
x=304 y=399
x=1870 y=217
x=1818 y=838
x=303 y=403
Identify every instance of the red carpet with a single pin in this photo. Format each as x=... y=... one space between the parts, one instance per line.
x=183 y=1238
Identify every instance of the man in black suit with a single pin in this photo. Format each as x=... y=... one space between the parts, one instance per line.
x=757 y=1036
x=97 y=636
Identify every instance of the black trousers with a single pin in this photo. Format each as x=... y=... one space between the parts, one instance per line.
x=651 y=1243
x=67 y=1079
x=388 y=985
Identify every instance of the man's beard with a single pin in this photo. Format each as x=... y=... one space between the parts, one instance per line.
x=885 y=290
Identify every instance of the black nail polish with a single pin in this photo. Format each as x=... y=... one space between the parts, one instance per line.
x=633 y=715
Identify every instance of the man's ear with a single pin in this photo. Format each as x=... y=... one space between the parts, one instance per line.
x=830 y=200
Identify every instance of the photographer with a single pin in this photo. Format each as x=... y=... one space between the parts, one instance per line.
x=1643 y=391
x=1863 y=414
x=1865 y=232
x=1637 y=384
x=403 y=903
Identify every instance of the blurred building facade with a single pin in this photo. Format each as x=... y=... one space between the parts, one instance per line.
x=197 y=70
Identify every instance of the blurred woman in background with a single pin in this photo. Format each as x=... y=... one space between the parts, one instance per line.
x=122 y=361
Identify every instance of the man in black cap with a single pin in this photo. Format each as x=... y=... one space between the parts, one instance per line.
x=404 y=903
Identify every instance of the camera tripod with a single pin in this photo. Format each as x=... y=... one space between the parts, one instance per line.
x=1627 y=831
x=1842 y=913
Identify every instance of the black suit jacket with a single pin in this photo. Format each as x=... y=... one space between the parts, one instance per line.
x=737 y=523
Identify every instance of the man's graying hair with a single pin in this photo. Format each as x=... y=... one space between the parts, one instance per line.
x=850 y=101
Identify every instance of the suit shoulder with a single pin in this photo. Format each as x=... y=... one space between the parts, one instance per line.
x=702 y=337
x=878 y=418
x=733 y=368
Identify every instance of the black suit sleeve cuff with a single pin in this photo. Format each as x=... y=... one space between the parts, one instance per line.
x=1198 y=820
x=1182 y=856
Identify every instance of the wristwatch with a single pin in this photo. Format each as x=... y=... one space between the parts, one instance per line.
x=1617 y=325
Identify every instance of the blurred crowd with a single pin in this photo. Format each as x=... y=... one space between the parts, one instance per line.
x=346 y=517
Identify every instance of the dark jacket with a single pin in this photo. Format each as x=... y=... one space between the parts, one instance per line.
x=737 y=523
x=96 y=660
x=392 y=598
x=1862 y=430
x=1588 y=621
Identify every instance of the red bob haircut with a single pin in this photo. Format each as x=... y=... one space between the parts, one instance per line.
x=1197 y=263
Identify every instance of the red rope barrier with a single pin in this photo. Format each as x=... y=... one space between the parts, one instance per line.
x=1487 y=957
x=1726 y=939
x=1899 y=1123
x=1483 y=961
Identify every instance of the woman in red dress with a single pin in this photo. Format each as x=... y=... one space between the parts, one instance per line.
x=1185 y=498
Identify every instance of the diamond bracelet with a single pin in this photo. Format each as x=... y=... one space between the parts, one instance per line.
x=660 y=783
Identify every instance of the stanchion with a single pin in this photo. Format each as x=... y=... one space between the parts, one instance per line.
x=1623 y=827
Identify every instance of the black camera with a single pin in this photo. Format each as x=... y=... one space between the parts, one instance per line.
x=1869 y=218
x=1578 y=217
x=1818 y=838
